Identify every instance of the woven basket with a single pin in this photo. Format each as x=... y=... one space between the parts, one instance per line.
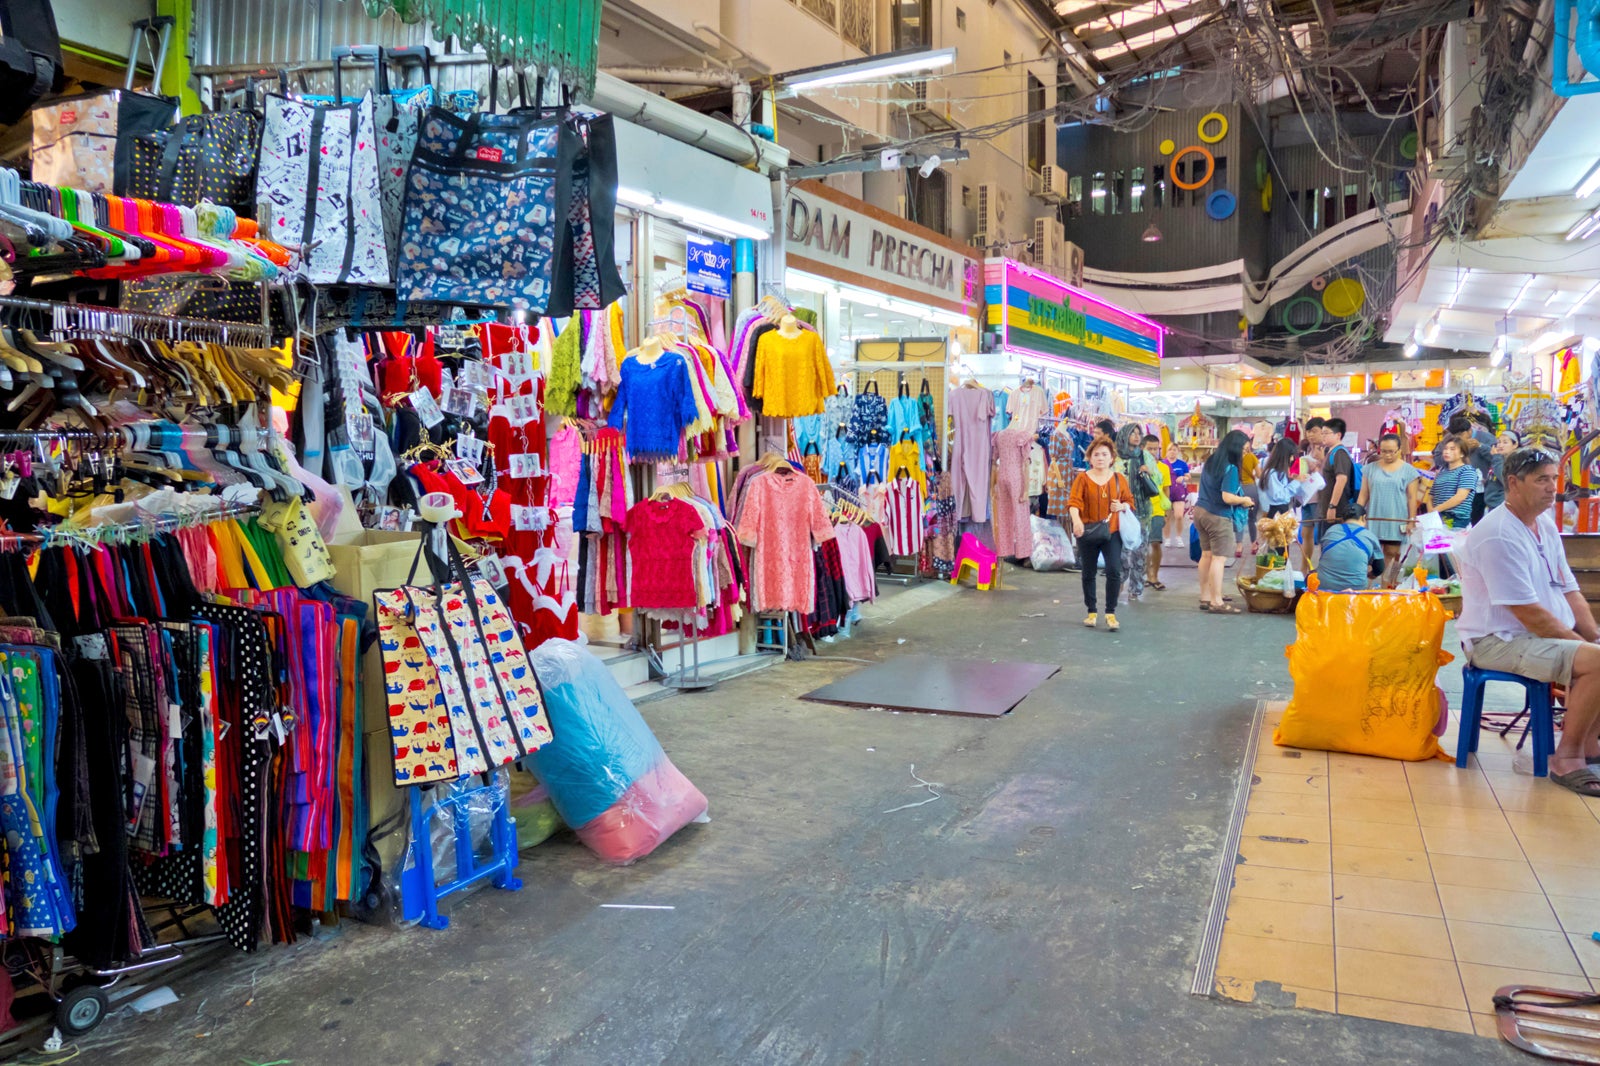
x=1265 y=601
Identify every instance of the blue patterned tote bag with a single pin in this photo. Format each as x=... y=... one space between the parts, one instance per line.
x=487 y=210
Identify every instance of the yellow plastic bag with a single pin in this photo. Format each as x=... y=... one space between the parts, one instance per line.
x=1364 y=666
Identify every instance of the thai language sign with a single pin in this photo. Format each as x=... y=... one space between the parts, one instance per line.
x=1034 y=313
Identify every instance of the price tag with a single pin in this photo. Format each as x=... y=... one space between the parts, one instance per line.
x=526 y=464
x=465 y=472
x=469 y=448
x=427 y=408
x=524 y=519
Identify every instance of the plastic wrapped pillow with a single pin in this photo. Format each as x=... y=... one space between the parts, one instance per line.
x=1052 y=548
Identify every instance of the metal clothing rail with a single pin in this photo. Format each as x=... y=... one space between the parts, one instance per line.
x=132 y=532
x=66 y=316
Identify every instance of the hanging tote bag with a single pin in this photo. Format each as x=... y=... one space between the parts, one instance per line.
x=86 y=142
x=869 y=418
x=202 y=157
x=317 y=189
x=457 y=679
x=486 y=210
x=590 y=256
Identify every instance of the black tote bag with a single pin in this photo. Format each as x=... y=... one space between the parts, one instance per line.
x=202 y=157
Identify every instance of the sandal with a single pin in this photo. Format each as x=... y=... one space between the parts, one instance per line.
x=1584 y=782
x=1205 y=607
x=1226 y=608
x=1158 y=586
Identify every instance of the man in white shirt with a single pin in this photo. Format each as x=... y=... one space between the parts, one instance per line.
x=1522 y=612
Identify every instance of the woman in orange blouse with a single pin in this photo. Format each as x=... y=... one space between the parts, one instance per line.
x=1099 y=496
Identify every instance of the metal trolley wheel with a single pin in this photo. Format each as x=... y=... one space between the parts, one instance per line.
x=81 y=1009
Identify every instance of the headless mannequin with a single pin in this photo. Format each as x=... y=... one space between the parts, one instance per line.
x=789 y=327
x=649 y=350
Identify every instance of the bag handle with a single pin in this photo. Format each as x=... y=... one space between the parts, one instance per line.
x=364 y=53
x=420 y=53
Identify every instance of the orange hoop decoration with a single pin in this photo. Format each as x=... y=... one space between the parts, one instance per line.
x=1211 y=167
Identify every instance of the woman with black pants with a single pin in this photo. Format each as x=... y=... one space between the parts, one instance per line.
x=1100 y=497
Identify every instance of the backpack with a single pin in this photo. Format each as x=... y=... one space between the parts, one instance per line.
x=1355 y=470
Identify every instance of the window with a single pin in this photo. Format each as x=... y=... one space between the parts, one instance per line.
x=1352 y=200
x=1119 y=192
x=850 y=19
x=928 y=200
x=1136 y=190
x=910 y=27
x=966 y=196
x=1219 y=180
x=961 y=19
x=1037 y=129
x=1158 y=185
x=1075 y=196
x=1309 y=202
x=1097 y=193
x=1180 y=172
x=1330 y=207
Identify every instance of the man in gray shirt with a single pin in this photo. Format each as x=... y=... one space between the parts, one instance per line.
x=1522 y=611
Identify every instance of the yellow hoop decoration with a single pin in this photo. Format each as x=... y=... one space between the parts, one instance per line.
x=1266 y=196
x=1211 y=167
x=1167 y=147
x=1222 y=127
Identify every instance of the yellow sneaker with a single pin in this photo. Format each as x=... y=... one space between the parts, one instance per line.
x=1112 y=623
x=1091 y=620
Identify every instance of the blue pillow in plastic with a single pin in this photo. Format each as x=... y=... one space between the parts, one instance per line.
x=600 y=744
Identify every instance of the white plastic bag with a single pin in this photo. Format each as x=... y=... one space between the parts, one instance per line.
x=1132 y=531
x=1052 y=548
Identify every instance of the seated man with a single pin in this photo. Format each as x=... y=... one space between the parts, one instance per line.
x=1522 y=613
x=1351 y=556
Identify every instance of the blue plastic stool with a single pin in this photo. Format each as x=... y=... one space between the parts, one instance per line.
x=1541 y=719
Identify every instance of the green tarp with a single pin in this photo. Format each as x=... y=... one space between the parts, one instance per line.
x=560 y=37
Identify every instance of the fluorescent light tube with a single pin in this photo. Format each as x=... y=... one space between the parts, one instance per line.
x=868 y=69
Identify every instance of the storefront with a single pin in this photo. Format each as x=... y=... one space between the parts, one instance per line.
x=1064 y=338
x=868 y=275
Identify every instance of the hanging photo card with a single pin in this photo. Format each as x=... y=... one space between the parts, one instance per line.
x=470 y=448
x=427 y=408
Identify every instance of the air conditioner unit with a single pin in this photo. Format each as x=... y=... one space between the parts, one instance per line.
x=1054 y=182
x=1462 y=68
x=1071 y=264
x=992 y=210
x=1035 y=184
x=1049 y=241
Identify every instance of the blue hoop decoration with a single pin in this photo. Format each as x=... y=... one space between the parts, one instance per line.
x=1221 y=204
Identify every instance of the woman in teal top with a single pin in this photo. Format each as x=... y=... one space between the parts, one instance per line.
x=1390 y=493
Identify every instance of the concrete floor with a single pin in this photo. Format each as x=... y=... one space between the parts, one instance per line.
x=1047 y=908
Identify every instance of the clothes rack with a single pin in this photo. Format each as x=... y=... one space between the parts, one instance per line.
x=70 y=317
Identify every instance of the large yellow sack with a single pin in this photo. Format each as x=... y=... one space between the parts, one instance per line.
x=1364 y=667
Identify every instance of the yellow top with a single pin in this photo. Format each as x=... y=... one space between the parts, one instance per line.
x=792 y=375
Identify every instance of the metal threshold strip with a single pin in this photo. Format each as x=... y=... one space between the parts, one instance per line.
x=1205 y=971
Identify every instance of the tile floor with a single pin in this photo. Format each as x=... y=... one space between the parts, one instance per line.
x=1409 y=892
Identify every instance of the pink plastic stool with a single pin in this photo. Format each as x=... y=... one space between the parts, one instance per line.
x=984 y=562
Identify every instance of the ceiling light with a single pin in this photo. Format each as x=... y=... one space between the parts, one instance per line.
x=1151 y=234
x=1584 y=298
x=1548 y=300
x=884 y=66
x=1517 y=299
x=1589 y=184
x=1585 y=226
x=1412 y=348
x=1498 y=352
x=1461 y=283
x=1430 y=332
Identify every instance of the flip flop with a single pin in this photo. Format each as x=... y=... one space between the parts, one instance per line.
x=1226 y=608
x=1159 y=587
x=1584 y=782
x=1205 y=607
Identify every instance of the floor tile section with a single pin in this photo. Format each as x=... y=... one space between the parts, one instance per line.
x=1409 y=892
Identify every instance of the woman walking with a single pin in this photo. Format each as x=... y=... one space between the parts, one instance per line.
x=1390 y=493
x=1100 y=496
x=1216 y=508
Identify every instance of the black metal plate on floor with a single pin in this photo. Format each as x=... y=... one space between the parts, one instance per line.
x=978 y=688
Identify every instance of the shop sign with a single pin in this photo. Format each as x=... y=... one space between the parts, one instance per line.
x=1342 y=385
x=1035 y=313
x=710 y=266
x=876 y=253
x=1421 y=378
x=1264 y=387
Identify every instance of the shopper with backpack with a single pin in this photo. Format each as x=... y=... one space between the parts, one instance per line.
x=1342 y=475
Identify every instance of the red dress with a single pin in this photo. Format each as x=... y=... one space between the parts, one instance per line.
x=661 y=541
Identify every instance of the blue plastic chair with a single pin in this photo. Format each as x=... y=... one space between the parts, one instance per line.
x=1541 y=718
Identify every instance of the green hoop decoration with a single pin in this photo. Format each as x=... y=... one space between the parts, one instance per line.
x=1262 y=173
x=1360 y=329
x=1288 y=309
x=1408 y=146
